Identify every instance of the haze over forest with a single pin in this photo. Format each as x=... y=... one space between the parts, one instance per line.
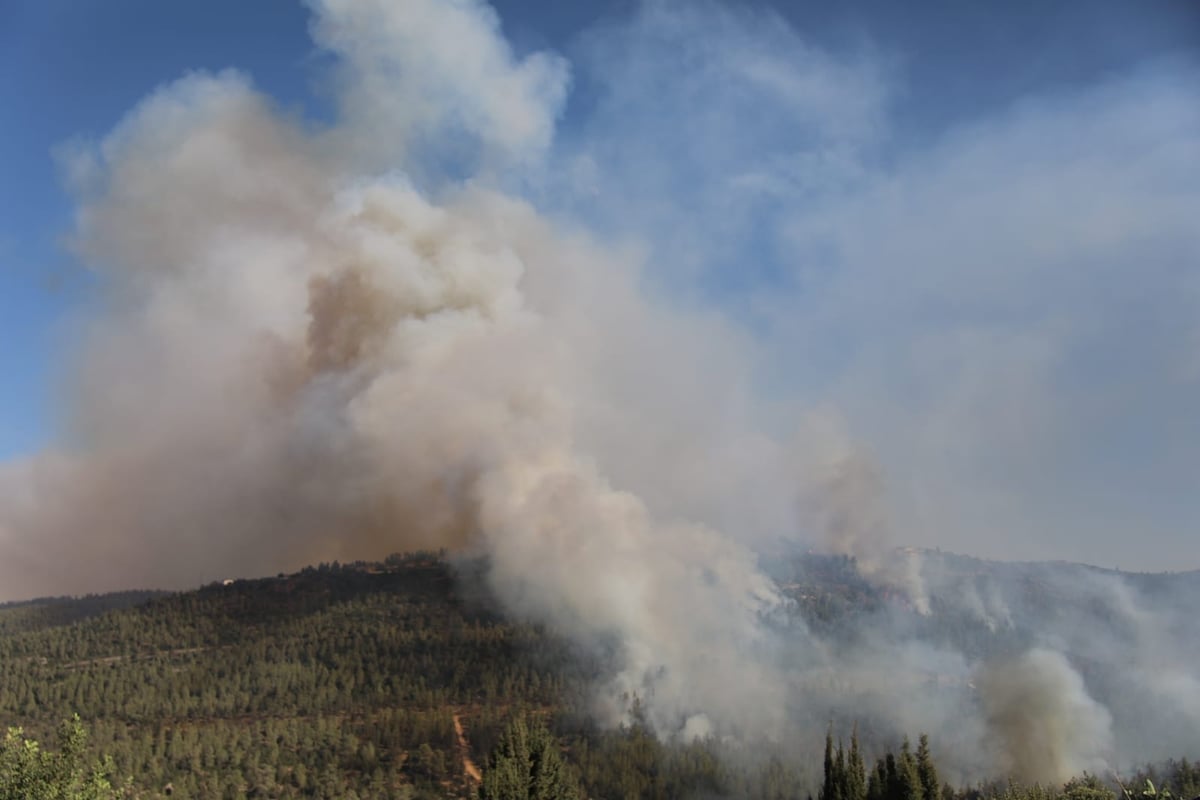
x=629 y=322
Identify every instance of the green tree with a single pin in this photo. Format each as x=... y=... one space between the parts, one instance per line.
x=908 y=779
x=833 y=786
x=527 y=765
x=877 y=782
x=856 y=772
x=926 y=771
x=1087 y=787
x=826 y=791
x=30 y=772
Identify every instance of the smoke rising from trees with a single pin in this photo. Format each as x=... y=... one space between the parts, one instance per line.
x=311 y=343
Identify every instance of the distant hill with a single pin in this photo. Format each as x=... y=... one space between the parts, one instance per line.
x=45 y=612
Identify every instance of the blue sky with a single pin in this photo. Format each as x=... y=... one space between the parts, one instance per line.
x=73 y=69
x=959 y=225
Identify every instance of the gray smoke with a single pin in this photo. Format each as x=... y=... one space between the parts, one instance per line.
x=1047 y=726
x=845 y=504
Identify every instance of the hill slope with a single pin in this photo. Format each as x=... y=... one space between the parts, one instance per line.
x=396 y=679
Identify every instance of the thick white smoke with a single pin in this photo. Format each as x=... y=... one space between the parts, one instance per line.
x=298 y=359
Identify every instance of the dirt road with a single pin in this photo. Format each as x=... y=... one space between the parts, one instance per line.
x=464 y=748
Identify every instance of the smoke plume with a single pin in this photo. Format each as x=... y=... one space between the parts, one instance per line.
x=301 y=359
x=1048 y=726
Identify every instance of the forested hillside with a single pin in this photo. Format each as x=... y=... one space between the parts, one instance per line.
x=373 y=680
x=332 y=678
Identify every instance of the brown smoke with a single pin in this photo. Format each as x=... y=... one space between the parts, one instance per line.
x=1047 y=725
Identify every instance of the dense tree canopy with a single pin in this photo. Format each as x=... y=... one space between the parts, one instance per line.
x=527 y=765
x=353 y=681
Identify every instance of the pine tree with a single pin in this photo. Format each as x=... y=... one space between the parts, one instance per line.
x=527 y=765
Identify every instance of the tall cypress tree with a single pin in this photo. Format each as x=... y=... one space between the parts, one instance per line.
x=926 y=771
x=909 y=786
x=827 y=773
x=877 y=787
x=856 y=777
x=893 y=789
x=839 y=783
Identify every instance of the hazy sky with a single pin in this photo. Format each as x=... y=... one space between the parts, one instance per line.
x=969 y=231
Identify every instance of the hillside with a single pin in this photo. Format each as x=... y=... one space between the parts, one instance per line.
x=333 y=677
x=396 y=679
x=338 y=681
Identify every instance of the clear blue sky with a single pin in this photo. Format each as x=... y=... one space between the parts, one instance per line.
x=954 y=73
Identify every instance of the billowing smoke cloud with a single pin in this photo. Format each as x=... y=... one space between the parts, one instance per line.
x=300 y=360
x=432 y=82
x=317 y=342
x=1048 y=726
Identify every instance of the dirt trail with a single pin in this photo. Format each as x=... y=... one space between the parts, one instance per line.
x=87 y=662
x=468 y=765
